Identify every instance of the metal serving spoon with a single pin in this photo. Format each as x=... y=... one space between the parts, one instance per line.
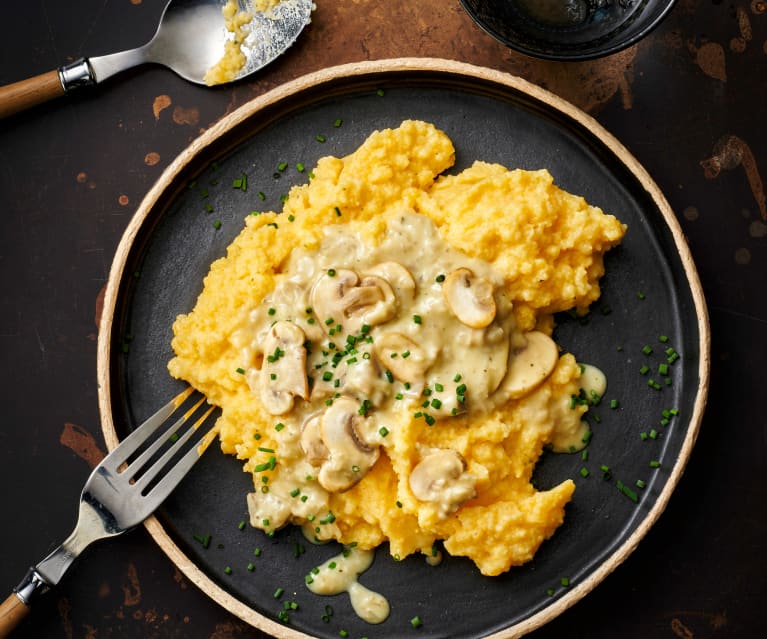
x=189 y=40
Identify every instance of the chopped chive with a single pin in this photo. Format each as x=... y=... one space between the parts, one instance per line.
x=337 y=122
x=383 y=431
x=278 y=593
x=217 y=224
x=241 y=525
x=631 y=494
x=647 y=349
x=584 y=472
x=203 y=540
x=228 y=570
x=613 y=403
x=644 y=370
x=416 y=622
x=320 y=138
x=654 y=464
x=417 y=319
x=640 y=483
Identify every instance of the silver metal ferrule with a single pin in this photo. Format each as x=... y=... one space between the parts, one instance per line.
x=77 y=74
x=31 y=587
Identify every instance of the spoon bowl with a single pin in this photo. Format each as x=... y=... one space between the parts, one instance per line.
x=190 y=39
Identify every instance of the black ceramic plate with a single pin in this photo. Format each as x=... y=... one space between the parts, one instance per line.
x=650 y=290
x=568 y=30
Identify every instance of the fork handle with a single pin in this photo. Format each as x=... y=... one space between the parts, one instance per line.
x=18 y=604
x=12 y=612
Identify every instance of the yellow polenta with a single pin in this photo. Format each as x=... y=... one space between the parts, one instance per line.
x=381 y=349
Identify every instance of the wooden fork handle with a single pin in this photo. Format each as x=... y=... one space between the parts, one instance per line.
x=27 y=93
x=12 y=612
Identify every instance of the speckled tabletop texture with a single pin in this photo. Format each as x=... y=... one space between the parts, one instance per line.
x=688 y=102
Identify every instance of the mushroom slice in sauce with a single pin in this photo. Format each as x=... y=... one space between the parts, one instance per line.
x=402 y=356
x=441 y=478
x=349 y=455
x=470 y=297
x=350 y=302
x=283 y=373
x=311 y=442
x=399 y=278
x=530 y=365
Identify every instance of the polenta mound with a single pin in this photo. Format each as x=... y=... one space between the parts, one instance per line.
x=381 y=349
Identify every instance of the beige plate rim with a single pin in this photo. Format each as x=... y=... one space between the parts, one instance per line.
x=404 y=65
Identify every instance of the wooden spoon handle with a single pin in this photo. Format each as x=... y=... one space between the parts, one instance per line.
x=25 y=94
x=12 y=611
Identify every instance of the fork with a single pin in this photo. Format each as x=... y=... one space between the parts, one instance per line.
x=119 y=494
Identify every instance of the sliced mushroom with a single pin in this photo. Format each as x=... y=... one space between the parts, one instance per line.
x=399 y=354
x=397 y=276
x=311 y=442
x=339 y=295
x=470 y=297
x=441 y=478
x=383 y=309
x=350 y=457
x=530 y=365
x=283 y=373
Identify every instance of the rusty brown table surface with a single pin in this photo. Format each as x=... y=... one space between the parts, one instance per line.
x=690 y=102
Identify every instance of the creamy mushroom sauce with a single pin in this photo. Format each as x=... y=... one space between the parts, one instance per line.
x=340 y=573
x=354 y=333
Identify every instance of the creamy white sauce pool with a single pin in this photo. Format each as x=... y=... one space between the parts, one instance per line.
x=339 y=574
